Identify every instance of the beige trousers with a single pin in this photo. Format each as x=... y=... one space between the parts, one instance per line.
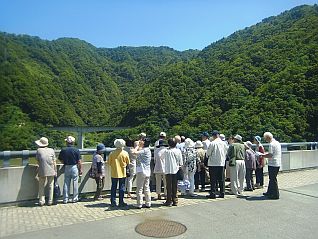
x=50 y=184
x=160 y=176
x=237 y=177
x=143 y=187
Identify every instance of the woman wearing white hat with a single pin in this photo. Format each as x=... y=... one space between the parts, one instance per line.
x=47 y=169
x=118 y=160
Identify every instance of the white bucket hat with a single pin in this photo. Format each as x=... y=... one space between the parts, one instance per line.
x=188 y=143
x=119 y=143
x=42 y=142
x=238 y=137
x=198 y=144
x=248 y=144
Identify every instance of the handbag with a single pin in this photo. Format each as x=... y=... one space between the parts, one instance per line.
x=180 y=174
x=56 y=190
x=91 y=174
x=206 y=159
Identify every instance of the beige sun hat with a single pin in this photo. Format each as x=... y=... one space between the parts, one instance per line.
x=198 y=144
x=42 y=142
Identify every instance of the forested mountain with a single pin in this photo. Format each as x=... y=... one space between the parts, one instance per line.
x=264 y=77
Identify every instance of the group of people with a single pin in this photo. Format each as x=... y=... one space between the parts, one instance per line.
x=47 y=170
x=179 y=163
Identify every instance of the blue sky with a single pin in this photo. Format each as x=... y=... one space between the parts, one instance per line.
x=180 y=24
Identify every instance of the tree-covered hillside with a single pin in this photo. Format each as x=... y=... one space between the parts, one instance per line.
x=264 y=77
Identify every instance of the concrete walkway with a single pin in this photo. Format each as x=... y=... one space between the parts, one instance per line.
x=293 y=216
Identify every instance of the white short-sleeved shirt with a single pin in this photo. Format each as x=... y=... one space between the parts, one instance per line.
x=217 y=153
x=276 y=150
x=143 y=162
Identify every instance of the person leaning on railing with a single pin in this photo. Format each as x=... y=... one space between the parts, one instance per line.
x=118 y=160
x=98 y=170
x=47 y=169
x=71 y=158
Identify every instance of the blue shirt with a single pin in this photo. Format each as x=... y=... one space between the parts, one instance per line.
x=70 y=155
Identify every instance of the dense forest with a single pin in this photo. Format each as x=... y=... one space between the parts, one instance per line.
x=261 y=78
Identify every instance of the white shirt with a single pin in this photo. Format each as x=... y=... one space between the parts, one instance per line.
x=217 y=153
x=276 y=150
x=206 y=143
x=143 y=162
x=172 y=159
x=159 y=160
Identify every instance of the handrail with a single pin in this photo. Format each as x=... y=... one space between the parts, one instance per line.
x=26 y=154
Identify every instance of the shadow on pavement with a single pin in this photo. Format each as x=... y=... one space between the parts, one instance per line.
x=256 y=198
x=97 y=205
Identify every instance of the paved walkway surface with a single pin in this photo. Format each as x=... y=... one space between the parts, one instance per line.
x=59 y=221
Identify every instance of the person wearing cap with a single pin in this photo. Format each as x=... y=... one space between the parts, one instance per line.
x=199 y=176
x=159 y=169
x=142 y=136
x=47 y=169
x=216 y=154
x=236 y=154
x=71 y=158
x=162 y=136
x=143 y=173
x=118 y=160
x=250 y=165
x=260 y=162
x=98 y=170
x=274 y=156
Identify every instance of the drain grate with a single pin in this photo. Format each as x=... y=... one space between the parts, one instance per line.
x=160 y=228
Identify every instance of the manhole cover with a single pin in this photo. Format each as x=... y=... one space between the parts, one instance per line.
x=160 y=228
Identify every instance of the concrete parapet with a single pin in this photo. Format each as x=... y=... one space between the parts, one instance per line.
x=20 y=183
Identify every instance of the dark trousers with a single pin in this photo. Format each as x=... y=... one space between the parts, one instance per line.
x=172 y=182
x=249 y=178
x=121 y=182
x=259 y=176
x=199 y=178
x=217 y=179
x=272 y=190
x=100 y=186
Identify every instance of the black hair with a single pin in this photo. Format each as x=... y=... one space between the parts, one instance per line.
x=129 y=142
x=146 y=142
x=172 y=143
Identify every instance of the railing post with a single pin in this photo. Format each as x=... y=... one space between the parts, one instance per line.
x=25 y=157
x=6 y=158
x=284 y=147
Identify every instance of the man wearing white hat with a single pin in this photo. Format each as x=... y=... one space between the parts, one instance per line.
x=162 y=136
x=236 y=153
x=71 y=158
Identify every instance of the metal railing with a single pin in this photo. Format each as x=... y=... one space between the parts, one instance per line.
x=25 y=155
